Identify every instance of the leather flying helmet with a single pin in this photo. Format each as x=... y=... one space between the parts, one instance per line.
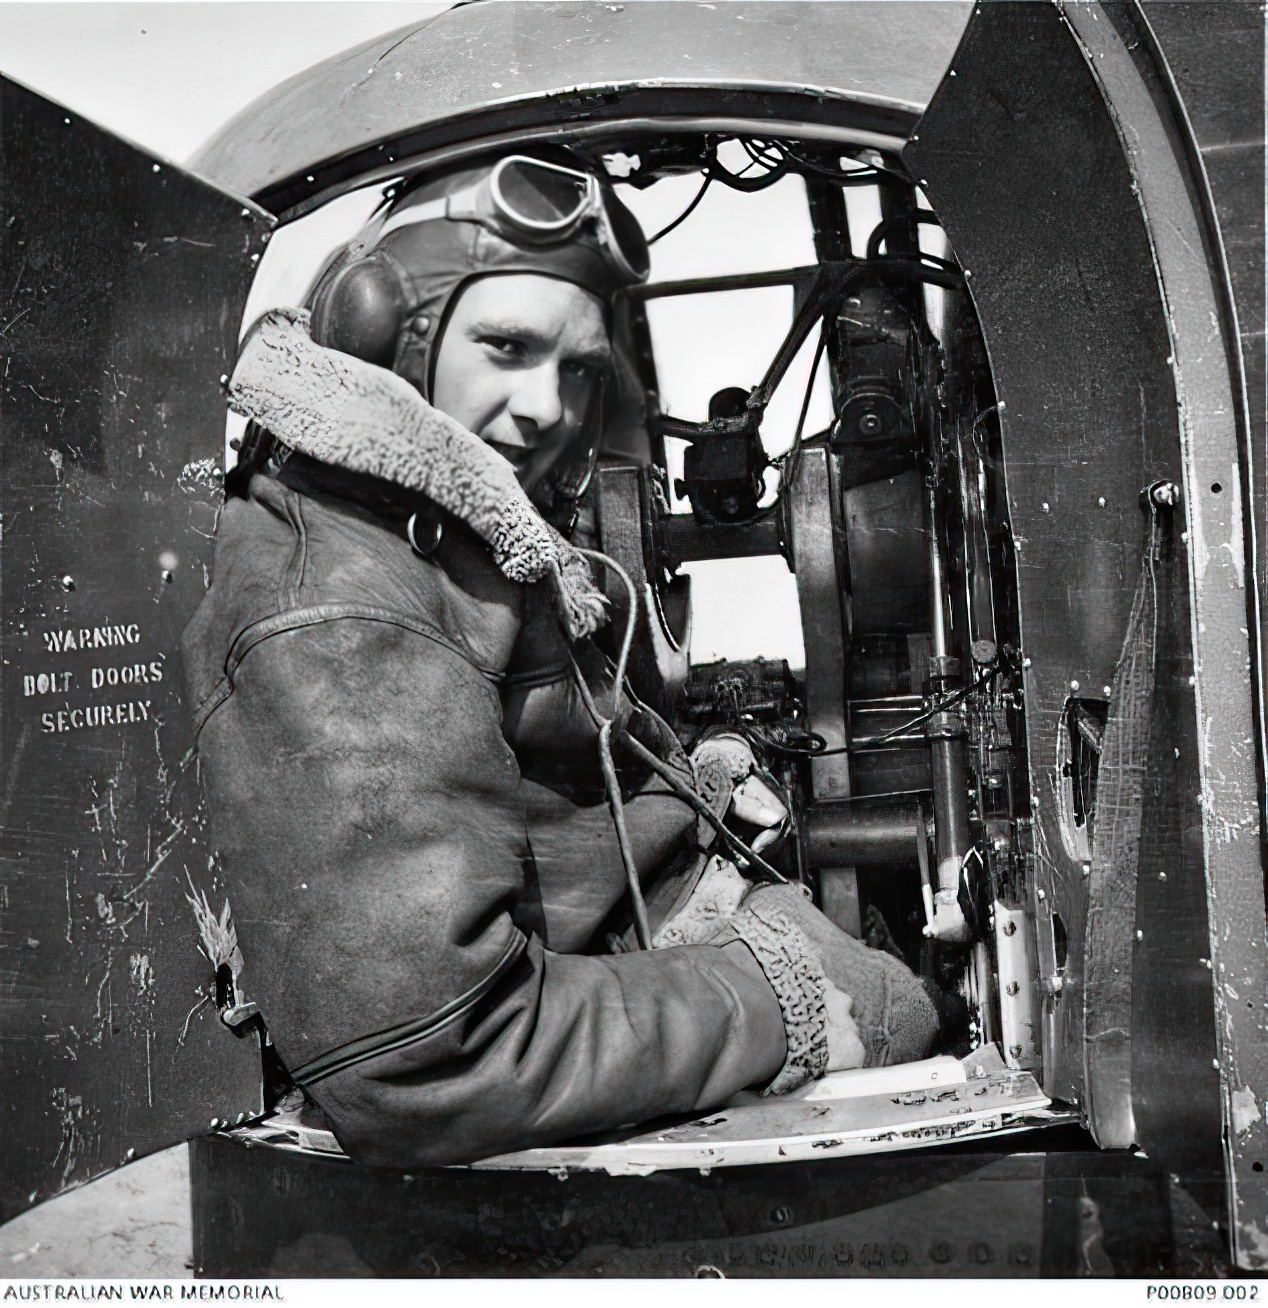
x=386 y=296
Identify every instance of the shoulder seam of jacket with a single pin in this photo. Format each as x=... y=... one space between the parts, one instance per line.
x=343 y=1057
x=314 y=615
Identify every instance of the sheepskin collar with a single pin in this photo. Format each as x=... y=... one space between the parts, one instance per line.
x=354 y=415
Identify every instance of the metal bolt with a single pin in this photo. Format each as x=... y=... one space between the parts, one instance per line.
x=1014 y=1051
x=1039 y=894
x=1074 y=685
x=68 y=582
x=1010 y=928
x=1162 y=876
x=1101 y=501
x=1025 y=663
x=167 y=576
x=1166 y=492
x=1011 y=988
x=1140 y=935
x=1086 y=868
x=1046 y=509
x=1107 y=691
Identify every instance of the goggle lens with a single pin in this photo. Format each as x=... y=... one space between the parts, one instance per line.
x=627 y=235
x=540 y=196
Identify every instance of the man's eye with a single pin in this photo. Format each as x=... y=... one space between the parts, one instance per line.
x=504 y=345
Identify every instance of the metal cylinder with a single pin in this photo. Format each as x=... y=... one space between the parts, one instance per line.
x=950 y=808
x=871 y=830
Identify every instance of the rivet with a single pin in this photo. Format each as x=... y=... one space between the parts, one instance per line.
x=1039 y=894
x=215 y=1122
x=224 y=379
x=1014 y=1051
x=1010 y=928
x=1046 y=509
x=1193 y=681
x=1140 y=935
x=1086 y=868
x=421 y=325
x=1101 y=500
x=1012 y=988
x=1107 y=691
x=1074 y=685
x=68 y=582
x=1025 y=663
x=1162 y=876
x=157 y=169
x=167 y=575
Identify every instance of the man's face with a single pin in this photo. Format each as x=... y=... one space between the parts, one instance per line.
x=519 y=364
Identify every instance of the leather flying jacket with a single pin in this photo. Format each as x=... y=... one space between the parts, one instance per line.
x=379 y=846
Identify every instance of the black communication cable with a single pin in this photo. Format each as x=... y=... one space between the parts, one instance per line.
x=688 y=211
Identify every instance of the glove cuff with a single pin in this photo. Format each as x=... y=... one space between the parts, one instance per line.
x=794 y=974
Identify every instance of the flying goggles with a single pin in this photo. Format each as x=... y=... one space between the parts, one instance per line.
x=531 y=202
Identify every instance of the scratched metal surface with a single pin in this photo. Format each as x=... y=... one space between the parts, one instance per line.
x=1024 y=167
x=968 y=1211
x=1225 y=612
x=121 y=288
x=521 y=64
x=1215 y=52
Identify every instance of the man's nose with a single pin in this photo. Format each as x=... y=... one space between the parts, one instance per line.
x=536 y=404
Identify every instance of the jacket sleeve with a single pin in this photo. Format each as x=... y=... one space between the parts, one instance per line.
x=578 y=875
x=371 y=822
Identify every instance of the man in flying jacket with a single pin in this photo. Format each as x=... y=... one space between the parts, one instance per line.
x=391 y=619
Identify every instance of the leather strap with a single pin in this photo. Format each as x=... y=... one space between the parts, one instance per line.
x=390 y=505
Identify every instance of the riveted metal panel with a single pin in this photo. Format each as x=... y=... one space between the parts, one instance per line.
x=121 y=288
x=1218 y=475
x=1024 y=167
x=561 y=64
